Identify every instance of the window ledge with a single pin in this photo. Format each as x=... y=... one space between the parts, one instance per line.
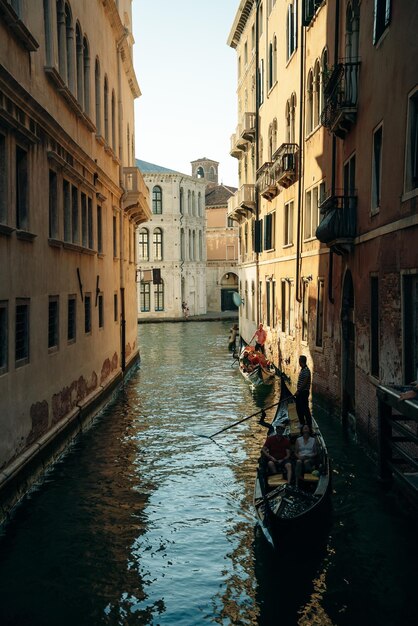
x=288 y=245
x=100 y=139
x=67 y=245
x=18 y=27
x=55 y=243
x=100 y=255
x=25 y=235
x=63 y=89
x=409 y=194
x=6 y=230
x=374 y=212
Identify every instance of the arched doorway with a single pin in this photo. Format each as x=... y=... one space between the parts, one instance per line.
x=348 y=343
x=229 y=286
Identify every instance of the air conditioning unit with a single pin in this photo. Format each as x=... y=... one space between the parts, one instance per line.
x=288 y=162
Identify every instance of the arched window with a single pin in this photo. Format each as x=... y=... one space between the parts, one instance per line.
x=86 y=75
x=199 y=204
x=324 y=78
x=194 y=246
x=271 y=65
x=158 y=244
x=97 y=96
x=157 y=200
x=316 y=94
x=274 y=59
x=128 y=144
x=270 y=138
x=181 y=200
x=190 y=246
x=288 y=140
x=293 y=118
x=113 y=121
x=200 y=173
x=200 y=246
x=309 y=103
x=106 y=108
x=189 y=202
x=193 y=203
x=69 y=37
x=143 y=245
x=211 y=173
x=62 y=45
x=182 y=245
x=274 y=137
x=159 y=297
x=79 y=63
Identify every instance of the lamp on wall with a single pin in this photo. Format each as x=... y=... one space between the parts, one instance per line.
x=226 y=276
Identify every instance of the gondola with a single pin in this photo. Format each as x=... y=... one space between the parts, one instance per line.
x=281 y=508
x=256 y=369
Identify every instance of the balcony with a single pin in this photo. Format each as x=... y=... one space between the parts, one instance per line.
x=338 y=227
x=135 y=201
x=238 y=144
x=285 y=164
x=265 y=181
x=341 y=95
x=248 y=127
x=241 y=203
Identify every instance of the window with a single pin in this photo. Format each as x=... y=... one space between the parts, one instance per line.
x=374 y=326
x=145 y=296
x=316 y=95
x=87 y=313
x=350 y=177
x=100 y=307
x=411 y=173
x=410 y=325
x=305 y=310
x=311 y=213
x=269 y=231
x=79 y=64
x=115 y=237
x=260 y=21
x=157 y=200
x=268 y=302
x=291 y=29
x=22 y=333
x=113 y=121
x=159 y=297
x=84 y=220
x=4 y=337
x=3 y=180
x=261 y=82
x=309 y=104
x=381 y=18
x=158 y=244
x=377 y=168
x=106 y=108
x=309 y=8
x=273 y=304
x=71 y=318
x=90 y=223
x=74 y=215
x=320 y=313
x=143 y=245
x=324 y=78
x=288 y=224
x=99 y=230
x=53 y=208
x=271 y=66
x=97 y=90
x=115 y=307
x=245 y=54
x=230 y=222
x=67 y=210
x=283 y=307
x=181 y=200
x=86 y=75
x=53 y=322
x=21 y=189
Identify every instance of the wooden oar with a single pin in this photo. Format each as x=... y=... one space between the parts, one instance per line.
x=243 y=420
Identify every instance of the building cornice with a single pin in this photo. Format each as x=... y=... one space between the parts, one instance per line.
x=240 y=21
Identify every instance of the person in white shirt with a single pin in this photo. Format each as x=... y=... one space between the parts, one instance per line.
x=306 y=452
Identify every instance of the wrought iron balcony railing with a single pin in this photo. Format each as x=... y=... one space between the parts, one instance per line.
x=339 y=224
x=265 y=181
x=242 y=202
x=341 y=96
x=248 y=126
x=285 y=164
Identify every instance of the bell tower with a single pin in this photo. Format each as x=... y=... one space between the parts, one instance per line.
x=206 y=169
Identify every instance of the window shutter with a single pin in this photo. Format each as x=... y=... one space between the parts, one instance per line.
x=258 y=231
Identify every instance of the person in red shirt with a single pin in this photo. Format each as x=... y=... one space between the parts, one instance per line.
x=276 y=450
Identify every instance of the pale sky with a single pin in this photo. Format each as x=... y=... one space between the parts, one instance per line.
x=187 y=75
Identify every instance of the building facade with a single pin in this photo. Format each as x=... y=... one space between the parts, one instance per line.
x=328 y=152
x=171 y=246
x=70 y=198
x=221 y=239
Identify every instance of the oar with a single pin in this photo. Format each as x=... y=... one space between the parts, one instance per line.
x=243 y=420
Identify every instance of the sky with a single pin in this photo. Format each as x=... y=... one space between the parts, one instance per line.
x=187 y=76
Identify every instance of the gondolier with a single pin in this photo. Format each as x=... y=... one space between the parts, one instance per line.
x=302 y=393
x=260 y=338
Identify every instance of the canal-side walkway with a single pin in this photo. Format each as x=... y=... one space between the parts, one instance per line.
x=210 y=316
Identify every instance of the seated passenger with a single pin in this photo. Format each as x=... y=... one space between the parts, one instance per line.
x=276 y=451
x=306 y=452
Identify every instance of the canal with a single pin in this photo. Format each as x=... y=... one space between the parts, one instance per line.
x=146 y=522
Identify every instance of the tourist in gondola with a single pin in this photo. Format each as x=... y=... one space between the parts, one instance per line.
x=305 y=453
x=276 y=451
x=302 y=393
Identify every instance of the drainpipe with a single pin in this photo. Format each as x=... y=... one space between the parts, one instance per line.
x=301 y=160
x=257 y=160
x=334 y=150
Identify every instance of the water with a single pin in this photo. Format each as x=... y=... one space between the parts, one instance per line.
x=147 y=522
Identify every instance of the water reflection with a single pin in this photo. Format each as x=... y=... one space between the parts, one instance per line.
x=146 y=521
